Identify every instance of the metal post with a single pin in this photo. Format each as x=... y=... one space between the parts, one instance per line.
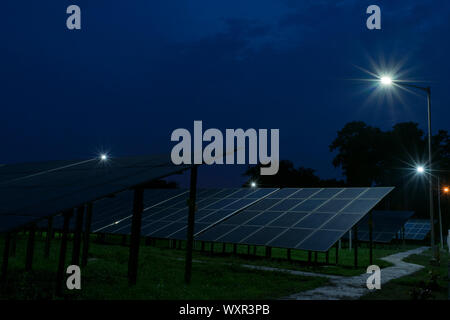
x=315 y=257
x=337 y=254
x=12 y=250
x=62 y=253
x=77 y=236
x=433 y=246
x=223 y=247
x=48 y=239
x=350 y=240
x=268 y=252
x=211 y=248
x=4 y=275
x=191 y=221
x=309 y=257
x=202 y=248
x=289 y=254
x=248 y=249
x=356 y=245
x=254 y=250
x=370 y=237
x=327 y=258
x=87 y=234
x=30 y=248
x=440 y=217
x=138 y=208
x=234 y=248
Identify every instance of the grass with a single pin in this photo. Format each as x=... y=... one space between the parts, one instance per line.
x=299 y=258
x=429 y=283
x=161 y=276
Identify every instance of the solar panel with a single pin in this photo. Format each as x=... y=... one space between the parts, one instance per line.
x=308 y=219
x=417 y=229
x=110 y=211
x=42 y=189
x=47 y=188
x=169 y=219
x=10 y=223
x=385 y=225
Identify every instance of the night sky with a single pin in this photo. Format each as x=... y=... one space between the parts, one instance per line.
x=137 y=70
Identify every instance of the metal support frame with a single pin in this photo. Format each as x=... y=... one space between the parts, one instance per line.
x=87 y=234
x=370 y=237
x=30 y=248
x=289 y=254
x=62 y=253
x=337 y=253
x=268 y=252
x=77 y=236
x=191 y=222
x=138 y=208
x=48 y=238
x=12 y=249
x=4 y=274
x=355 y=244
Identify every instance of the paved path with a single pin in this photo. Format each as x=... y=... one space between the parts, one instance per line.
x=348 y=288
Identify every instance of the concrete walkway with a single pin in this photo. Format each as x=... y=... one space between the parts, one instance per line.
x=349 y=288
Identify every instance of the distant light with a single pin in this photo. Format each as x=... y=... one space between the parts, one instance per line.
x=103 y=157
x=386 y=80
x=420 y=169
x=446 y=189
x=253 y=184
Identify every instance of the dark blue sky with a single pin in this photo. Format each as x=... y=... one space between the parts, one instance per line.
x=140 y=69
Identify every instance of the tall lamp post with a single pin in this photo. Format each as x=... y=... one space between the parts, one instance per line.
x=387 y=81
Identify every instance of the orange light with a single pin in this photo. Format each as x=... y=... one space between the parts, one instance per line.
x=446 y=189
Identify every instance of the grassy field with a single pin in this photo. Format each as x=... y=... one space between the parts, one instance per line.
x=161 y=271
x=161 y=276
x=299 y=258
x=430 y=283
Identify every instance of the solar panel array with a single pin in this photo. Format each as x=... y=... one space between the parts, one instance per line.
x=32 y=191
x=385 y=225
x=308 y=219
x=43 y=189
x=112 y=210
x=417 y=229
x=168 y=220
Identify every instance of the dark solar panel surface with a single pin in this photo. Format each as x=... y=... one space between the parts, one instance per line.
x=308 y=219
x=43 y=189
x=169 y=219
x=385 y=225
x=417 y=229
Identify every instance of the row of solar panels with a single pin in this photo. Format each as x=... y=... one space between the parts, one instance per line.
x=310 y=219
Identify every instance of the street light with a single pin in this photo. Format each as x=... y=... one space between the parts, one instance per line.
x=420 y=169
x=253 y=184
x=103 y=157
x=388 y=81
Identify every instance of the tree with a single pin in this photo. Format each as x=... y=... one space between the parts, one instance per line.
x=359 y=155
x=288 y=176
